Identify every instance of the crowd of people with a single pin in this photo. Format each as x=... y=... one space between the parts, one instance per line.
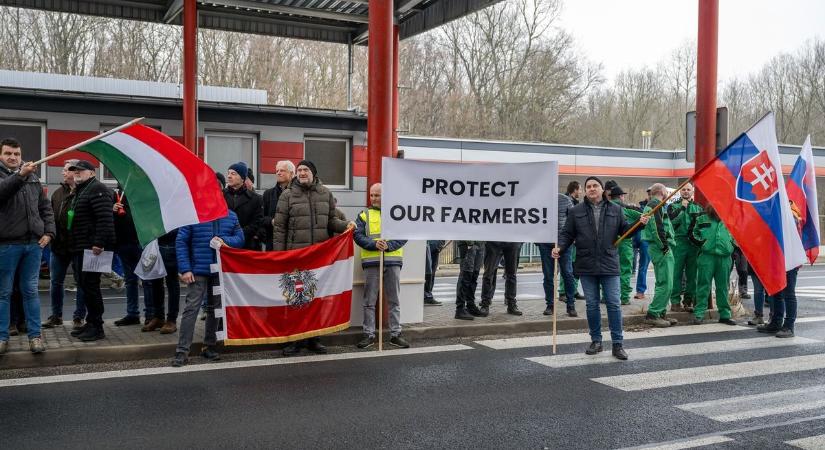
x=688 y=245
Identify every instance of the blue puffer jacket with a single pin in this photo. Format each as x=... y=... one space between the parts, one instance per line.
x=192 y=245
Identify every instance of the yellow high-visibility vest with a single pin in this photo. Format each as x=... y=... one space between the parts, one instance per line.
x=373 y=221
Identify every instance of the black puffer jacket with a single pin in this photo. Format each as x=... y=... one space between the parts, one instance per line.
x=93 y=224
x=305 y=216
x=25 y=212
x=270 y=201
x=595 y=253
x=61 y=201
x=248 y=205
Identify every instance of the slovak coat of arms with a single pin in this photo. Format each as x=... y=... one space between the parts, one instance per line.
x=299 y=287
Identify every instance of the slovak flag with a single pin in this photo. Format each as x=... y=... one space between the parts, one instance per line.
x=744 y=183
x=802 y=191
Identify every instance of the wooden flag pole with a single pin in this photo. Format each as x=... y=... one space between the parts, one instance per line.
x=380 y=302
x=651 y=212
x=88 y=141
x=555 y=293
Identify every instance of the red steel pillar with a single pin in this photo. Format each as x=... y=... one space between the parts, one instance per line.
x=707 y=56
x=190 y=75
x=380 y=96
x=395 y=90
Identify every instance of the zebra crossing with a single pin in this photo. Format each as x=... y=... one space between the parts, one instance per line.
x=752 y=413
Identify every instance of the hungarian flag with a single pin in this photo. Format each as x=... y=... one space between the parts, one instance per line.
x=274 y=297
x=802 y=191
x=744 y=184
x=167 y=185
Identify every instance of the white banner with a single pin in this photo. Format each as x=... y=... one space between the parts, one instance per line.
x=423 y=200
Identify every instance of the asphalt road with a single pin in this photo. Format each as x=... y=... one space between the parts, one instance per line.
x=730 y=387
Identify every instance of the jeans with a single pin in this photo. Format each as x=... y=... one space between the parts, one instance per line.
x=170 y=262
x=492 y=254
x=548 y=267
x=758 y=296
x=23 y=259
x=202 y=287
x=433 y=250
x=784 y=303
x=58 y=266
x=130 y=257
x=641 y=271
x=596 y=287
x=392 y=289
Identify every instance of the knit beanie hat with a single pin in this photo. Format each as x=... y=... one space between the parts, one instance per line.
x=594 y=178
x=240 y=168
x=309 y=166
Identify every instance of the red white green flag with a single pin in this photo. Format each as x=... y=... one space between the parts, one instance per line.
x=167 y=185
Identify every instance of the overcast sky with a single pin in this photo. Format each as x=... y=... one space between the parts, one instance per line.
x=624 y=34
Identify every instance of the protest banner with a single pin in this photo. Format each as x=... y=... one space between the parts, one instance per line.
x=515 y=202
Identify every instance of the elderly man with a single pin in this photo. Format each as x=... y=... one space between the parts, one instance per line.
x=284 y=172
x=684 y=252
x=659 y=237
x=26 y=226
x=245 y=203
x=368 y=236
x=593 y=225
x=305 y=215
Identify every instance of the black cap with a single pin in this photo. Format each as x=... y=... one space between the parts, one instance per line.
x=310 y=166
x=82 y=165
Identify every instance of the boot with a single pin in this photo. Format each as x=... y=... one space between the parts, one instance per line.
x=210 y=354
x=512 y=308
x=53 y=321
x=657 y=322
x=463 y=314
x=757 y=320
x=473 y=309
x=677 y=307
x=619 y=353
x=314 y=345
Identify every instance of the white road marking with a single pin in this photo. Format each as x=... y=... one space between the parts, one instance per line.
x=693 y=443
x=810 y=319
x=669 y=351
x=809 y=443
x=759 y=405
x=226 y=365
x=704 y=374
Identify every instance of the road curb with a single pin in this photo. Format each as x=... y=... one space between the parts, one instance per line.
x=94 y=354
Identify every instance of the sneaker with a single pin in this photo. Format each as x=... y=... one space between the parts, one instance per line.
x=92 y=334
x=728 y=321
x=180 y=360
x=168 y=328
x=677 y=307
x=77 y=323
x=4 y=347
x=52 y=322
x=484 y=310
x=769 y=328
x=572 y=312
x=71 y=289
x=657 y=322
x=619 y=353
x=128 y=320
x=210 y=354
x=595 y=347
x=785 y=333
x=78 y=331
x=745 y=296
x=367 y=342
x=670 y=319
x=399 y=342
x=463 y=314
x=548 y=311
x=36 y=345
x=756 y=320
x=431 y=302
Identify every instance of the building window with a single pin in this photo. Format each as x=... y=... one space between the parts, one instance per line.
x=32 y=138
x=105 y=174
x=224 y=149
x=331 y=157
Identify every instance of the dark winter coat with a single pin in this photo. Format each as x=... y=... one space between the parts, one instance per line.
x=192 y=243
x=125 y=232
x=305 y=216
x=595 y=253
x=25 y=212
x=270 y=201
x=93 y=224
x=61 y=201
x=248 y=205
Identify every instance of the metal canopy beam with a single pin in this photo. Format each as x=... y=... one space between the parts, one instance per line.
x=290 y=10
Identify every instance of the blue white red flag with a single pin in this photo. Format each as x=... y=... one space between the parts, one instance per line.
x=744 y=184
x=802 y=191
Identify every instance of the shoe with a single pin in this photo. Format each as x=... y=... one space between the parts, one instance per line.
x=657 y=322
x=431 y=302
x=292 y=349
x=316 y=347
x=639 y=296
x=36 y=345
x=399 y=342
x=562 y=298
x=769 y=328
x=202 y=315
x=154 y=324
x=4 y=347
x=210 y=354
x=728 y=322
x=474 y=311
x=92 y=334
x=548 y=311
x=670 y=319
x=52 y=322
x=696 y=321
x=578 y=296
x=572 y=312
x=484 y=310
x=78 y=331
x=13 y=331
x=168 y=328
x=512 y=309
x=756 y=320
x=463 y=314
x=128 y=320
x=745 y=296
x=77 y=323
x=367 y=342
x=180 y=360
x=595 y=347
x=619 y=353
x=71 y=289
x=22 y=328
x=677 y=307
x=785 y=333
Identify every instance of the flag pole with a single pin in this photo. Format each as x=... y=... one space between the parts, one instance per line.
x=380 y=302
x=651 y=212
x=555 y=292
x=88 y=141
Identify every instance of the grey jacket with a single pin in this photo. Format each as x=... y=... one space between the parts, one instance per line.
x=25 y=211
x=564 y=207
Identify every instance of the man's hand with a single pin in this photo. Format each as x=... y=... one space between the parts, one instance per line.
x=555 y=253
x=187 y=278
x=117 y=207
x=216 y=242
x=351 y=226
x=644 y=219
x=44 y=241
x=26 y=169
x=97 y=250
x=382 y=245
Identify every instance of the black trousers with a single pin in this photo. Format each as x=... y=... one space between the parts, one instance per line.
x=492 y=253
x=741 y=265
x=90 y=283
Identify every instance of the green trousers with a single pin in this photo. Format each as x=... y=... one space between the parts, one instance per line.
x=716 y=269
x=626 y=269
x=684 y=261
x=663 y=270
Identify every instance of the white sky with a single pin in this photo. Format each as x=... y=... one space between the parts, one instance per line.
x=623 y=34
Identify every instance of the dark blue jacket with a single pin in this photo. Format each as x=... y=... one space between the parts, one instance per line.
x=192 y=244
x=362 y=239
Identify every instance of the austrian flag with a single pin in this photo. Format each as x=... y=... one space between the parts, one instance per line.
x=274 y=297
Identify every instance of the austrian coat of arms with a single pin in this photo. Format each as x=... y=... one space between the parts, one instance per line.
x=299 y=287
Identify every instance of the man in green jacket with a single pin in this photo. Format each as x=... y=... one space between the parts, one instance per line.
x=684 y=252
x=632 y=214
x=709 y=234
x=658 y=233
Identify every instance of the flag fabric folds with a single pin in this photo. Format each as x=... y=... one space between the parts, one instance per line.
x=744 y=184
x=274 y=297
x=802 y=191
